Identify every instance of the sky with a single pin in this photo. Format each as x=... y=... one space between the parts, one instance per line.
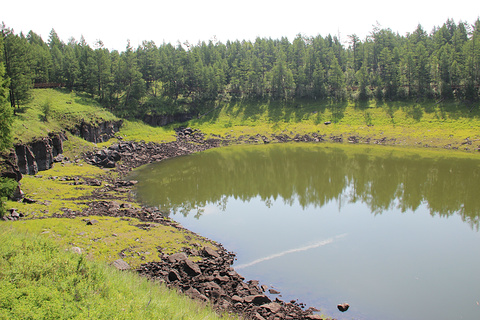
x=173 y=21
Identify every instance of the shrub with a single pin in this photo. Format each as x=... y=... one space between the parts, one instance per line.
x=7 y=187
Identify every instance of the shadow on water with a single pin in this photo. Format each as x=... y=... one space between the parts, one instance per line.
x=315 y=175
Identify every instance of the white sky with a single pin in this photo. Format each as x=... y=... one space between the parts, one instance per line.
x=114 y=22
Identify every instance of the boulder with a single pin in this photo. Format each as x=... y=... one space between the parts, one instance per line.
x=258 y=299
x=343 y=307
x=176 y=257
x=209 y=252
x=273 y=307
x=121 y=265
x=191 y=268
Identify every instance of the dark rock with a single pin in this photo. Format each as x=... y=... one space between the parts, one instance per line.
x=28 y=200
x=191 y=268
x=40 y=154
x=258 y=299
x=92 y=222
x=343 y=307
x=173 y=275
x=273 y=291
x=14 y=214
x=97 y=133
x=8 y=165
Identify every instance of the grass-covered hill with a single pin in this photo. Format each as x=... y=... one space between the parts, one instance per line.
x=446 y=124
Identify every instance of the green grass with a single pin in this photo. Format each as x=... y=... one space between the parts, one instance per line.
x=54 y=189
x=53 y=110
x=39 y=280
x=410 y=123
x=139 y=131
x=113 y=238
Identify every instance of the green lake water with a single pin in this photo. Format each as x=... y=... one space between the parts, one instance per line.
x=392 y=232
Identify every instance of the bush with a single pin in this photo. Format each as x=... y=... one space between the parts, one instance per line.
x=7 y=187
x=46 y=110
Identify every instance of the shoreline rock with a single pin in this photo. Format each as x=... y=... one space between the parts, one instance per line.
x=213 y=279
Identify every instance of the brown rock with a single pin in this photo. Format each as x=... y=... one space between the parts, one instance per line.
x=92 y=222
x=209 y=252
x=257 y=316
x=191 y=268
x=272 y=306
x=177 y=257
x=195 y=294
x=121 y=265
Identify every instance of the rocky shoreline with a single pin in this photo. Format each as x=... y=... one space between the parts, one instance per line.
x=213 y=279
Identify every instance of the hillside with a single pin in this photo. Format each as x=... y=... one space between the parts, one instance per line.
x=446 y=124
x=78 y=191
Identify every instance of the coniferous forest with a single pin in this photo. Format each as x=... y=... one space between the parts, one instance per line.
x=443 y=64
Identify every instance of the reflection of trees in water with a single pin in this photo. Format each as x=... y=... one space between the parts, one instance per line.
x=314 y=177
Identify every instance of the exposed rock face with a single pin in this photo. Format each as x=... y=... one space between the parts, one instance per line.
x=8 y=165
x=40 y=154
x=99 y=133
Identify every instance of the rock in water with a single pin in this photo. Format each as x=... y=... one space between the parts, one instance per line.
x=343 y=307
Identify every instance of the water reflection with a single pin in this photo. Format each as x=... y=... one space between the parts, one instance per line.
x=314 y=175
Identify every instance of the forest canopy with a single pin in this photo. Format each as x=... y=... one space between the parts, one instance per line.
x=166 y=78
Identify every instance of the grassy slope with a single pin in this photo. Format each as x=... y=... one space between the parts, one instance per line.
x=40 y=281
x=411 y=124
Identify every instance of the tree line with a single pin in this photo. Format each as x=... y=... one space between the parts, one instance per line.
x=166 y=78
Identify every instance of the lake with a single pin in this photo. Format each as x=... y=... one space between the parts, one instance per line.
x=393 y=232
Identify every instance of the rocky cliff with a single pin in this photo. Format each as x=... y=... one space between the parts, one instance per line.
x=97 y=133
x=8 y=165
x=40 y=154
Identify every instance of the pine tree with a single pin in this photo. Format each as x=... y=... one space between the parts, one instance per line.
x=5 y=109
